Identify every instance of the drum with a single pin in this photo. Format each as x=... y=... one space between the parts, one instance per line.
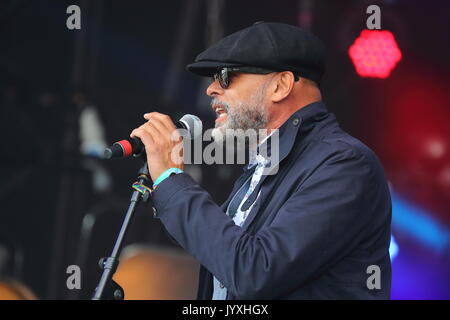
x=14 y=290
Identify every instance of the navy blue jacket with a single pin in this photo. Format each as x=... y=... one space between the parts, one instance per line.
x=316 y=227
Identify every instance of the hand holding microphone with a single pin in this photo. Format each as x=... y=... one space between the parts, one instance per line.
x=158 y=137
x=161 y=140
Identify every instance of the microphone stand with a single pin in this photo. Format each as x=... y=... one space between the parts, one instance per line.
x=107 y=288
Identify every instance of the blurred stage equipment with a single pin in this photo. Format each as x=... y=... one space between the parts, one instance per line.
x=214 y=30
x=83 y=124
x=14 y=290
x=305 y=14
x=416 y=140
x=152 y=273
x=11 y=265
x=189 y=16
x=375 y=53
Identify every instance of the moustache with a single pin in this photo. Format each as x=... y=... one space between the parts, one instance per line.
x=217 y=102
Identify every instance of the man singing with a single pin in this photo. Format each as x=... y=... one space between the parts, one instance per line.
x=315 y=228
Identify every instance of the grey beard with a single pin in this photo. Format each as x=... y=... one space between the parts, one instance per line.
x=245 y=116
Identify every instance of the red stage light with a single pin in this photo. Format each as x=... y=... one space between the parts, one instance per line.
x=375 y=53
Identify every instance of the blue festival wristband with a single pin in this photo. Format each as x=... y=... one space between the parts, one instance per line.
x=165 y=175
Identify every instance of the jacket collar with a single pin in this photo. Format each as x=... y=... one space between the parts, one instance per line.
x=300 y=121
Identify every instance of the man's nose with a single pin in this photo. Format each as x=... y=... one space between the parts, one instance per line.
x=214 y=89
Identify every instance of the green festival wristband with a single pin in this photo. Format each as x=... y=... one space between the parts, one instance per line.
x=166 y=174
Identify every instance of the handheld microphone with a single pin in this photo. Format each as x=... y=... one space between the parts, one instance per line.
x=135 y=147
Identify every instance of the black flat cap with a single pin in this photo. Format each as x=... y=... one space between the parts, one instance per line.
x=272 y=46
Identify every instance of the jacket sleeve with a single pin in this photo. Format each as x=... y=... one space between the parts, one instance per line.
x=315 y=228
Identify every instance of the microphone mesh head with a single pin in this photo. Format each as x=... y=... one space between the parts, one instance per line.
x=193 y=124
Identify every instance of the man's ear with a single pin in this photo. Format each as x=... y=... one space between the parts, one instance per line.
x=283 y=85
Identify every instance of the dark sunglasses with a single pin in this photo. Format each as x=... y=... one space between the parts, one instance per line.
x=223 y=75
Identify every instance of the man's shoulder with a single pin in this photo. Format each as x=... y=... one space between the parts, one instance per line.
x=338 y=162
x=337 y=145
x=345 y=143
x=339 y=141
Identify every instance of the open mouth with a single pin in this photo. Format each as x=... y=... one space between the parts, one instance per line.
x=221 y=112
